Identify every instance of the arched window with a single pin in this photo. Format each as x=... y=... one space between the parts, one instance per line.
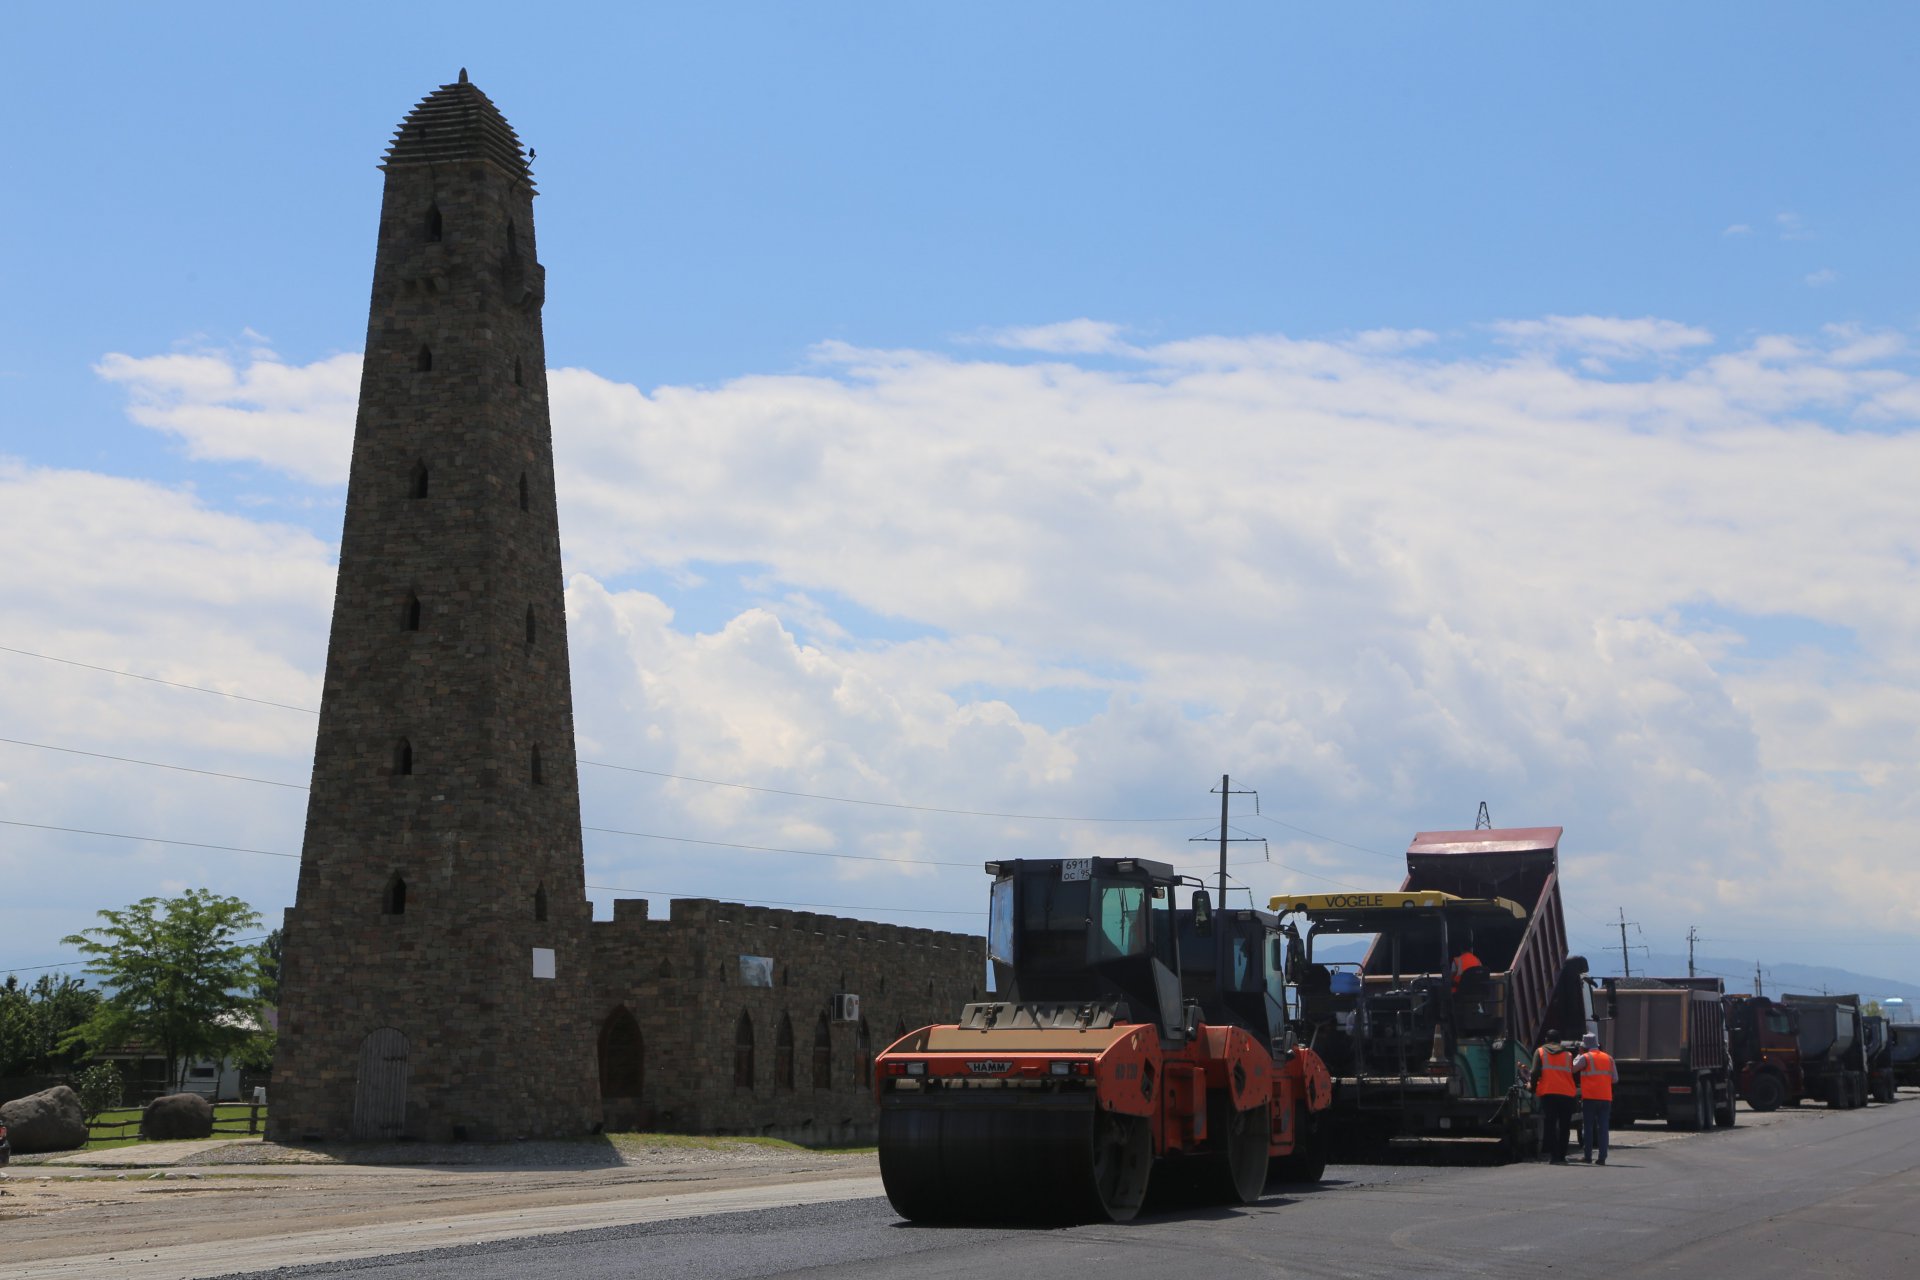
x=410 y=618
x=435 y=224
x=423 y=363
x=822 y=1054
x=530 y=624
x=403 y=758
x=623 y=1066
x=539 y=778
x=393 y=898
x=417 y=480
x=523 y=492
x=666 y=968
x=783 y=1054
x=743 y=1052
x=863 y=1054
x=540 y=902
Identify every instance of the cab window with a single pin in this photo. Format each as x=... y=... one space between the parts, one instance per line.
x=1122 y=927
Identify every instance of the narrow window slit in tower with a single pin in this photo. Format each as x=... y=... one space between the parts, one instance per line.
x=519 y=380
x=403 y=759
x=411 y=619
x=393 y=898
x=540 y=902
x=423 y=363
x=434 y=223
x=539 y=778
x=513 y=240
x=523 y=492
x=417 y=481
x=530 y=624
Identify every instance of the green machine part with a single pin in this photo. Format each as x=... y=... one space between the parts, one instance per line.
x=1486 y=1068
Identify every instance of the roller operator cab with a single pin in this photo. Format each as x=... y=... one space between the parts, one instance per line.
x=1091 y=1072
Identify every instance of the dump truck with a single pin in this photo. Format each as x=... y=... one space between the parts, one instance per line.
x=1882 y=1086
x=1668 y=1039
x=1413 y=1050
x=1763 y=1037
x=1093 y=1072
x=1833 y=1049
x=1903 y=1054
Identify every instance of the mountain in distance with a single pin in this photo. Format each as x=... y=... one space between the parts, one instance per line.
x=1799 y=979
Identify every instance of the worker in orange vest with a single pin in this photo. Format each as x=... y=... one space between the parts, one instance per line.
x=1553 y=1084
x=1463 y=962
x=1597 y=1074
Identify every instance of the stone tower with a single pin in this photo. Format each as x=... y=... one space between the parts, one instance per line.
x=435 y=982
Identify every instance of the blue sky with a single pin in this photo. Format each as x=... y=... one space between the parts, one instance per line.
x=1031 y=408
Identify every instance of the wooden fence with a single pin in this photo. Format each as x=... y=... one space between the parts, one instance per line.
x=230 y=1125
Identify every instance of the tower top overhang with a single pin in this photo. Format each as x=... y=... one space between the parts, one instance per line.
x=455 y=123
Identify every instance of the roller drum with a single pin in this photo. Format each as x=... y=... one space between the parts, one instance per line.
x=1000 y=1156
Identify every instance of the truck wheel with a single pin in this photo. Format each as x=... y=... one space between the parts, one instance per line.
x=1726 y=1114
x=1839 y=1097
x=1683 y=1113
x=1767 y=1092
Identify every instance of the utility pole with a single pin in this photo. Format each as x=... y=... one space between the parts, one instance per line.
x=1756 y=979
x=1483 y=821
x=1626 y=968
x=1693 y=936
x=1219 y=930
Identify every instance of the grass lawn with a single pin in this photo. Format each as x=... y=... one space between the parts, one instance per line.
x=633 y=1143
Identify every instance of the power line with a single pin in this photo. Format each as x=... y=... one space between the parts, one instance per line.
x=656 y=773
x=119 y=835
x=71 y=964
x=877 y=804
x=155 y=764
x=175 y=684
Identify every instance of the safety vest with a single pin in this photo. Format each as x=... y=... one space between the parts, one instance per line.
x=1555 y=1075
x=1596 y=1079
x=1461 y=963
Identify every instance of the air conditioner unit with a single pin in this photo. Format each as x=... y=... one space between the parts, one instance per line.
x=846 y=1008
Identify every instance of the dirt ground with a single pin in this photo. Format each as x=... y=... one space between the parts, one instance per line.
x=134 y=1201
x=248 y=1190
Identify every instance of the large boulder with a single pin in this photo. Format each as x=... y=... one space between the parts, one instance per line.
x=177 y=1115
x=50 y=1120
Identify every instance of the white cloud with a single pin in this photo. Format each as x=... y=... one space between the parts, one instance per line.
x=294 y=418
x=1791 y=226
x=1738 y=229
x=1821 y=278
x=1068 y=337
x=1379 y=582
x=1603 y=337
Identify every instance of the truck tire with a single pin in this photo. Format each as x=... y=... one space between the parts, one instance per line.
x=1839 y=1096
x=1767 y=1092
x=1726 y=1114
x=1683 y=1112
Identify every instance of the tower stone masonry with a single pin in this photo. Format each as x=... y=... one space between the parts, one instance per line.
x=435 y=981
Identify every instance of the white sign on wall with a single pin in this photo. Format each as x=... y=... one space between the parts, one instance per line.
x=543 y=962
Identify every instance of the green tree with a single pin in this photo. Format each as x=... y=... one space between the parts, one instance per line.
x=37 y=1023
x=100 y=1089
x=179 y=977
x=268 y=988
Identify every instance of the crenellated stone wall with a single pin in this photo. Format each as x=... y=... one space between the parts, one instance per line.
x=680 y=978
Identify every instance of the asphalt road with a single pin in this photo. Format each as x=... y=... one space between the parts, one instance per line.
x=1825 y=1194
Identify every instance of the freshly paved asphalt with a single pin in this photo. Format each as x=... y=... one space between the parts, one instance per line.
x=1829 y=1194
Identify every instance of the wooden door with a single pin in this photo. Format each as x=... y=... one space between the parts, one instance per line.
x=380 y=1090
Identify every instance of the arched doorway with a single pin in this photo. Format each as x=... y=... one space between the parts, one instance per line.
x=623 y=1066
